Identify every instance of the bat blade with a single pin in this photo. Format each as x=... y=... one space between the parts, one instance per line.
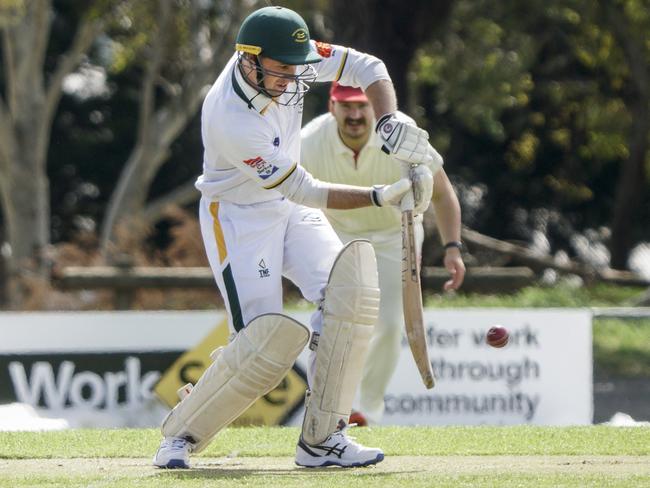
x=412 y=301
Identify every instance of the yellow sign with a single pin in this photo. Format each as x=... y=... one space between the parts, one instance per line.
x=274 y=408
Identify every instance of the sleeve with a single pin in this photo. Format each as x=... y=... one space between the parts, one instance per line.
x=348 y=66
x=249 y=146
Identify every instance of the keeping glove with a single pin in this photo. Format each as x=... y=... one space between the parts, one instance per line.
x=384 y=195
x=422 y=179
x=404 y=140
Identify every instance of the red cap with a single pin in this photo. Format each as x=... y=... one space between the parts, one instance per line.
x=341 y=93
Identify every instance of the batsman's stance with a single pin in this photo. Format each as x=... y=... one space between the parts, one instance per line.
x=260 y=219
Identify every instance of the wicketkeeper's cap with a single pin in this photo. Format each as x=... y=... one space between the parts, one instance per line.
x=342 y=93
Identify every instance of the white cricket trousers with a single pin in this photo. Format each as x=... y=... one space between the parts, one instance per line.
x=250 y=248
x=385 y=344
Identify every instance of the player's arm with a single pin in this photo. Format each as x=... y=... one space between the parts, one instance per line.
x=448 y=218
x=402 y=138
x=272 y=169
x=301 y=187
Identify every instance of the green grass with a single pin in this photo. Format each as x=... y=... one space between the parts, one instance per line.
x=262 y=456
x=280 y=441
x=599 y=295
x=622 y=348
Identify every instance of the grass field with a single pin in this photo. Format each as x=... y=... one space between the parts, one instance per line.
x=597 y=456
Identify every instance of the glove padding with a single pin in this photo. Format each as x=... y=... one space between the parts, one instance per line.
x=384 y=195
x=422 y=180
x=404 y=140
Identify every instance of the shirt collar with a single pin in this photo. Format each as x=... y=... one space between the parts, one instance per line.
x=254 y=99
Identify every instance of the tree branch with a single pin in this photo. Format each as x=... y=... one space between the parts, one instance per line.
x=10 y=69
x=41 y=33
x=538 y=262
x=87 y=32
x=152 y=73
x=7 y=144
x=182 y=195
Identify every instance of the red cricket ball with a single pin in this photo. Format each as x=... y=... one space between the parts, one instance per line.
x=497 y=336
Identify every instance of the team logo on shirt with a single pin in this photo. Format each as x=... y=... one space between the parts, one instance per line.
x=324 y=49
x=264 y=169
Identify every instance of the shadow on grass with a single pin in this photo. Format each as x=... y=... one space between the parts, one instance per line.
x=227 y=472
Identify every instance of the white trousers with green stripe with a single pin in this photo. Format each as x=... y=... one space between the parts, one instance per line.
x=250 y=248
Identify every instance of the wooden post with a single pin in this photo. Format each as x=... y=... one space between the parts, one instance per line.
x=124 y=295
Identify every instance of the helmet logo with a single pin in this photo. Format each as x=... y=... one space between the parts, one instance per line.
x=300 y=35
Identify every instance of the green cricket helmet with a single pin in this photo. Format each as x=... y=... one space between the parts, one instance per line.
x=280 y=34
x=277 y=33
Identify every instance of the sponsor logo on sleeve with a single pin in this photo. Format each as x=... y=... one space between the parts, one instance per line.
x=264 y=169
x=324 y=49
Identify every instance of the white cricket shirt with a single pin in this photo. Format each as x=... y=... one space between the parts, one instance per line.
x=252 y=144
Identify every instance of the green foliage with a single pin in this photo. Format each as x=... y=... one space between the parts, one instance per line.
x=533 y=101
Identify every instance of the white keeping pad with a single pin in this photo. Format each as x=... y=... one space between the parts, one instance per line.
x=250 y=366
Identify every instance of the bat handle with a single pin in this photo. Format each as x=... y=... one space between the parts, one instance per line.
x=408 y=200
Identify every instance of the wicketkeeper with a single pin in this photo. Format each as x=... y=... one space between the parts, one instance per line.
x=261 y=220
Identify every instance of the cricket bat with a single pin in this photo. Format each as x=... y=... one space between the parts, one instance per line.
x=412 y=294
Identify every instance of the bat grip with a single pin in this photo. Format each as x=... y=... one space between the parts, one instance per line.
x=408 y=200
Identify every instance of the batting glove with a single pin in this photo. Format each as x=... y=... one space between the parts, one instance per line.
x=422 y=179
x=404 y=140
x=383 y=195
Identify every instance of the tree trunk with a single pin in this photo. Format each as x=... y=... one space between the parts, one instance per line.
x=159 y=125
x=633 y=178
x=630 y=189
x=123 y=214
x=390 y=29
x=27 y=213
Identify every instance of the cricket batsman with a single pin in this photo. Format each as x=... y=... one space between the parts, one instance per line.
x=260 y=220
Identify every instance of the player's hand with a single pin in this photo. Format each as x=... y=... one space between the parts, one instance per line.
x=404 y=140
x=422 y=179
x=384 y=195
x=456 y=267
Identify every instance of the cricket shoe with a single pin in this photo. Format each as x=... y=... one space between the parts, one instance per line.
x=337 y=450
x=174 y=452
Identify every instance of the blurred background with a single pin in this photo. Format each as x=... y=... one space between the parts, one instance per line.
x=539 y=108
x=541 y=111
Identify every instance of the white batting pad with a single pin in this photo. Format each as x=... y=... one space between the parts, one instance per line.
x=350 y=310
x=250 y=366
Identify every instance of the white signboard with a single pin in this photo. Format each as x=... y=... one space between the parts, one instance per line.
x=542 y=377
x=98 y=369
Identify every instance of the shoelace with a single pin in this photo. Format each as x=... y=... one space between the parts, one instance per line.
x=178 y=443
x=344 y=433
